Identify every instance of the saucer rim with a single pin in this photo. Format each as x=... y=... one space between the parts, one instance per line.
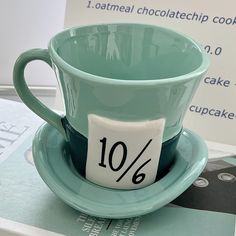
x=179 y=185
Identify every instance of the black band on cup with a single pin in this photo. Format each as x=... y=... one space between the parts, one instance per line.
x=78 y=145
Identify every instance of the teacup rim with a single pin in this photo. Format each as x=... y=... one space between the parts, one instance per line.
x=200 y=70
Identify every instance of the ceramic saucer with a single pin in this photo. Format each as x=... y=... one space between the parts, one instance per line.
x=53 y=163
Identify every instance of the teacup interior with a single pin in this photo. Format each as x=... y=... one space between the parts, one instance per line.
x=128 y=51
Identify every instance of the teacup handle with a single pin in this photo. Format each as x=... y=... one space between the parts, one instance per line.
x=24 y=92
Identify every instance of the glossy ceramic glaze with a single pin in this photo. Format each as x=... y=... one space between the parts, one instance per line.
x=127 y=72
x=53 y=163
x=119 y=73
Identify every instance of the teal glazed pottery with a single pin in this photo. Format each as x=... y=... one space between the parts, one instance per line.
x=126 y=89
x=53 y=162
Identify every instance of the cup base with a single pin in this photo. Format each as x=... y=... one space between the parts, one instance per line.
x=78 y=145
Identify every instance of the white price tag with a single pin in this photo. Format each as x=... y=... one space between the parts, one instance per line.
x=123 y=155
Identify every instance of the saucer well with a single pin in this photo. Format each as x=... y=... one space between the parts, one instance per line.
x=52 y=160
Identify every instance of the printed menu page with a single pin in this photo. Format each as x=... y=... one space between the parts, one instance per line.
x=16 y=123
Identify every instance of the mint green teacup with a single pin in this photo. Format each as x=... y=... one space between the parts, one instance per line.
x=126 y=89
